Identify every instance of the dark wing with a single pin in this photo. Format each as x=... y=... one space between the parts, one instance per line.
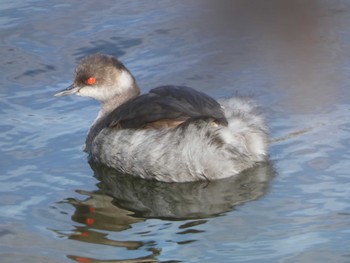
x=165 y=104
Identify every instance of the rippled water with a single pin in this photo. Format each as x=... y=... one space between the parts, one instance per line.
x=293 y=56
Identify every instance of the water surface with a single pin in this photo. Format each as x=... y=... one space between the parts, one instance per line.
x=291 y=55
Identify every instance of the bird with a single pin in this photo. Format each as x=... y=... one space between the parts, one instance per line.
x=170 y=134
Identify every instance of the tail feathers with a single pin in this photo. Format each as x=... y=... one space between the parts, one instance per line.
x=245 y=121
x=243 y=113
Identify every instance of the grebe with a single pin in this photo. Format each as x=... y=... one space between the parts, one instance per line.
x=172 y=133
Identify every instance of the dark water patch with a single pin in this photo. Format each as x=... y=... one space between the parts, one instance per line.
x=116 y=46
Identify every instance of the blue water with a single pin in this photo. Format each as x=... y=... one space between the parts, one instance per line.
x=293 y=56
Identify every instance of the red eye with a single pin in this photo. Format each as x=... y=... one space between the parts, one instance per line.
x=91 y=81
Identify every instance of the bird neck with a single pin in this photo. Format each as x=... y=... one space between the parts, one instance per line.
x=111 y=104
x=106 y=108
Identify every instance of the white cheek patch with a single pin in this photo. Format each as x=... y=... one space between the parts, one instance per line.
x=124 y=81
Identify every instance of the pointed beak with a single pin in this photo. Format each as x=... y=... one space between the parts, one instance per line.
x=70 y=90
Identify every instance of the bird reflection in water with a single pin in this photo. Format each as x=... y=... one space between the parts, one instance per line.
x=122 y=201
x=153 y=199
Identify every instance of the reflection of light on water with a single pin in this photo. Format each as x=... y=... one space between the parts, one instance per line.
x=288 y=246
x=20 y=209
x=321 y=132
